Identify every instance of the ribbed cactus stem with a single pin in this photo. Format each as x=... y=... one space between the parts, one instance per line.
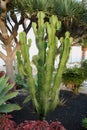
x=26 y=66
x=66 y=44
x=46 y=94
x=41 y=54
x=50 y=59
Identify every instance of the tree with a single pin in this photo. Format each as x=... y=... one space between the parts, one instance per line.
x=73 y=16
x=8 y=39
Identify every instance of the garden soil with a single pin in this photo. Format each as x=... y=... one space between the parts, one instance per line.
x=70 y=114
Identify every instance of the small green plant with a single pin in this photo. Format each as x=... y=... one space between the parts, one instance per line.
x=45 y=95
x=73 y=78
x=84 y=123
x=61 y=102
x=84 y=67
x=21 y=82
x=5 y=95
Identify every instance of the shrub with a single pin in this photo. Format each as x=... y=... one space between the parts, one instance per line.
x=6 y=122
x=84 y=123
x=84 y=67
x=20 y=81
x=73 y=78
x=40 y=125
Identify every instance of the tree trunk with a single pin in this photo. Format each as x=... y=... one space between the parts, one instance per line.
x=83 y=53
x=9 y=64
x=10 y=71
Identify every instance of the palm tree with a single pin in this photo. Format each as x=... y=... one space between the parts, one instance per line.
x=72 y=14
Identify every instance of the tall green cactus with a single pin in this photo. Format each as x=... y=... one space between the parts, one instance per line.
x=45 y=97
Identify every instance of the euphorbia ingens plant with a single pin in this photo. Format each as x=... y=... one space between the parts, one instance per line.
x=45 y=95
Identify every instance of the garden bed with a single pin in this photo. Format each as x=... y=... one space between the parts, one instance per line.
x=70 y=114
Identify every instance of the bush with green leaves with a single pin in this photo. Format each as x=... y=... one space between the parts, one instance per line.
x=73 y=78
x=5 y=95
x=84 y=123
x=20 y=81
x=45 y=95
x=84 y=67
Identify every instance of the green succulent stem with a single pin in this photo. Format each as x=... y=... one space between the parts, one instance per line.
x=25 y=66
x=66 y=43
x=46 y=95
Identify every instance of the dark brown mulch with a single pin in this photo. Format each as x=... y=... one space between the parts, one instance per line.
x=70 y=114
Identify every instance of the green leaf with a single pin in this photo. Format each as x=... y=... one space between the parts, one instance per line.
x=8 y=96
x=9 y=107
x=6 y=89
x=3 y=82
x=27 y=99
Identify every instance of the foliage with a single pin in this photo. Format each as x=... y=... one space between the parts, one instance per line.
x=45 y=97
x=84 y=67
x=73 y=78
x=61 y=102
x=68 y=8
x=20 y=81
x=40 y=125
x=30 y=7
x=5 y=95
x=6 y=122
x=72 y=14
x=38 y=5
x=84 y=42
x=84 y=123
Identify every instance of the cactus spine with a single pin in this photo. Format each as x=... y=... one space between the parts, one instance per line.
x=46 y=95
